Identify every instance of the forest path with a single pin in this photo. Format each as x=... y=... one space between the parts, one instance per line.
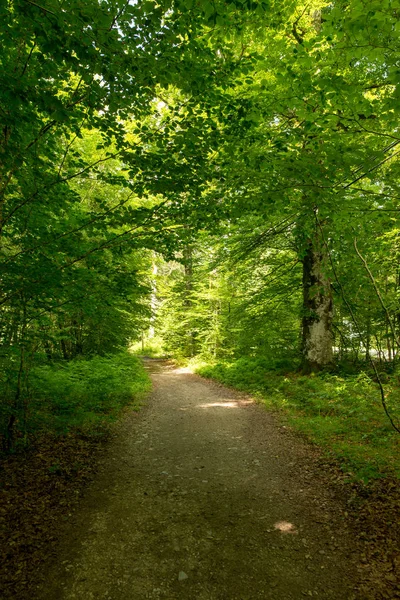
x=204 y=497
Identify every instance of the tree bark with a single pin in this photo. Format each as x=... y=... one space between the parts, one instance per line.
x=317 y=309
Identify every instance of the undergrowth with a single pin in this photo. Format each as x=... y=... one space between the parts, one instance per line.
x=343 y=414
x=83 y=395
x=86 y=393
x=151 y=348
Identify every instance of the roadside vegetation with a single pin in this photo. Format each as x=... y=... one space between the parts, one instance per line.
x=341 y=413
x=83 y=396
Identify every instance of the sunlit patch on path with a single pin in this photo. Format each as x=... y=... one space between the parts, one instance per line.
x=227 y=404
x=285 y=527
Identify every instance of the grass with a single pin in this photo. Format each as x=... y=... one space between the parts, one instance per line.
x=342 y=414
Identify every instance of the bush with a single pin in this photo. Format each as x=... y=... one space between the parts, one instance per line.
x=84 y=394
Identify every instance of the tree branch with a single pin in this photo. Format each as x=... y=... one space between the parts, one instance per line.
x=377 y=292
x=41 y=7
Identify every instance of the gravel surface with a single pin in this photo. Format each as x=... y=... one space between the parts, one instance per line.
x=204 y=496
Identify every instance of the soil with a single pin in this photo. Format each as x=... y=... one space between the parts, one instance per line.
x=203 y=495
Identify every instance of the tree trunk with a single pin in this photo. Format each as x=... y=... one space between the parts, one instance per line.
x=188 y=302
x=317 y=309
x=153 y=303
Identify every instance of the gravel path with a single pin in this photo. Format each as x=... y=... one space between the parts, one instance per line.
x=204 y=497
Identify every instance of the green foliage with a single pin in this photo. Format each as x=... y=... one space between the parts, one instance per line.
x=82 y=394
x=342 y=414
x=222 y=307
x=79 y=203
x=151 y=347
x=133 y=131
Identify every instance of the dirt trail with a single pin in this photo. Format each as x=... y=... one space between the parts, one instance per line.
x=204 y=497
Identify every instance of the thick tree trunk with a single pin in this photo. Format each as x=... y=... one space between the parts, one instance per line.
x=317 y=309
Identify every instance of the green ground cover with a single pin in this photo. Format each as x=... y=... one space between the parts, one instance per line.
x=342 y=414
x=150 y=348
x=82 y=395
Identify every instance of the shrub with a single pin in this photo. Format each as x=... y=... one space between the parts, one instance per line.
x=83 y=394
